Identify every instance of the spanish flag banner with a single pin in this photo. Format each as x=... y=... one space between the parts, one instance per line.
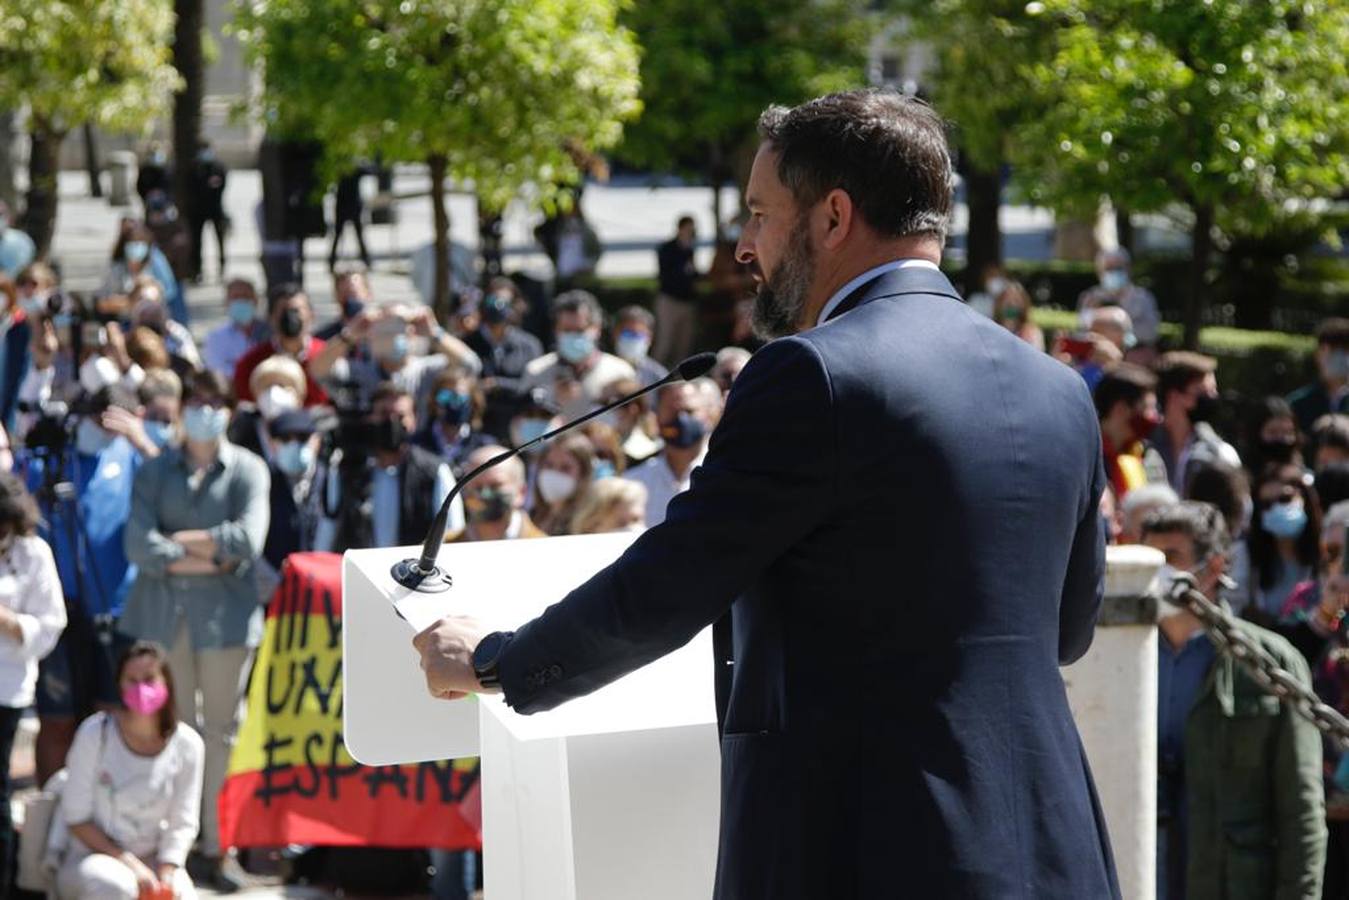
x=290 y=779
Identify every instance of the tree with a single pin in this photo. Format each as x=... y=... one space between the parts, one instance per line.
x=188 y=60
x=1235 y=112
x=75 y=61
x=496 y=92
x=980 y=84
x=709 y=69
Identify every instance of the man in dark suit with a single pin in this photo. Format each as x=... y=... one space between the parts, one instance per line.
x=899 y=509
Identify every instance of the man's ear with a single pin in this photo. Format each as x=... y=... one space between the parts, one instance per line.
x=1215 y=567
x=839 y=217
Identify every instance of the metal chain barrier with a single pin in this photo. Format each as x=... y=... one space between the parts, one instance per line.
x=1223 y=630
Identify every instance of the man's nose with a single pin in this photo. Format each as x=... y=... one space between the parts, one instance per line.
x=744 y=249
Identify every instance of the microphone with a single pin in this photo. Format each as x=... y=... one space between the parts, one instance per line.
x=424 y=575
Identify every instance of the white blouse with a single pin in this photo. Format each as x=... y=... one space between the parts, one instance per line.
x=149 y=805
x=30 y=587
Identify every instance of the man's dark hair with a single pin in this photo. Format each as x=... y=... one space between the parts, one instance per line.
x=1332 y=483
x=1202 y=523
x=578 y=301
x=1222 y=486
x=684 y=220
x=1177 y=370
x=210 y=387
x=387 y=390
x=1333 y=333
x=18 y=510
x=635 y=313
x=1122 y=382
x=281 y=293
x=1332 y=431
x=886 y=150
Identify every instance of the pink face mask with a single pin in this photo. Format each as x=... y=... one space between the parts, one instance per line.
x=146 y=698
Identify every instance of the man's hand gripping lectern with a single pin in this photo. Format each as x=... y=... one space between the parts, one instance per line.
x=612 y=796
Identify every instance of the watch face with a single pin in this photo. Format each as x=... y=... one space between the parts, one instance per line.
x=485 y=656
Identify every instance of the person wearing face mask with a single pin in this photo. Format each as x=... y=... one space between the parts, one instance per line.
x=576 y=323
x=1126 y=403
x=17 y=249
x=33 y=288
x=631 y=335
x=86 y=534
x=134 y=255
x=1284 y=540
x=32 y=616
x=564 y=476
x=132 y=800
x=294 y=440
x=1187 y=391
x=612 y=504
x=277 y=385
x=377 y=347
x=400 y=489
x=161 y=397
x=1240 y=804
x=199 y=520
x=1116 y=288
x=291 y=319
x=228 y=342
x=1012 y=310
x=351 y=290
x=494 y=503
x=505 y=350
x=1330 y=437
x=451 y=426
x=685 y=414
x=1330 y=392
x=1272 y=436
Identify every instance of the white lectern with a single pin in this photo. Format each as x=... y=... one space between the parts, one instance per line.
x=609 y=797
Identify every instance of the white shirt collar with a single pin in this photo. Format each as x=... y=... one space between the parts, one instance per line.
x=841 y=294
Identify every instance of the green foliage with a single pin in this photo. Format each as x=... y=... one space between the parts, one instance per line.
x=709 y=69
x=1236 y=106
x=505 y=90
x=106 y=62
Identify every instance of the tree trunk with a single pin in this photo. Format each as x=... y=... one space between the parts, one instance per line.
x=9 y=188
x=983 y=241
x=440 y=302
x=91 y=162
x=44 y=164
x=1124 y=230
x=716 y=174
x=1201 y=237
x=187 y=59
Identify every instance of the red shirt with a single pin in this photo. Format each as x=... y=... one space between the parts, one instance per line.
x=314 y=394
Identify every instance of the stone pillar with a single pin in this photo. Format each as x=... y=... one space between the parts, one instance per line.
x=1113 y=694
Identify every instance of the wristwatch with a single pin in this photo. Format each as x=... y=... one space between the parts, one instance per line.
x=487 y=656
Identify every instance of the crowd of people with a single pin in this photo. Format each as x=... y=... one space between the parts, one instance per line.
x=158 y=479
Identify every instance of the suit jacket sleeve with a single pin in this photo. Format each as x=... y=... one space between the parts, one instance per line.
x=768 y=478
x=1299 y=797
x=1084 y=585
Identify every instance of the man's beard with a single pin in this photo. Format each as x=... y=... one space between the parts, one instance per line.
x=782 y=298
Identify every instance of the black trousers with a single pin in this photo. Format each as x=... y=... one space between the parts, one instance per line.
x=342 y=222
x=220 y=225
x=9 y=844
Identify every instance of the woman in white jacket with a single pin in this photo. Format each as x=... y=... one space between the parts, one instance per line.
x=32 y=616
x=132 y=801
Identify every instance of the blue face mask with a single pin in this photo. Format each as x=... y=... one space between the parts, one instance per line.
x=684 y=432
x=398 y=349
x=604 y=469
x=242 y=312
x=136 y=251
x=1284 y=520
x=294 y=457
x=1114 y=279
x=632 y=345
x=526 y=430
x=575 y=346
x=159 y=433
x=205 y=423
x=1337 y=365
x=352 y=307
x=454 y=406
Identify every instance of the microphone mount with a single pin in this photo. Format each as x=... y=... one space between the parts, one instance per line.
x=423 y=575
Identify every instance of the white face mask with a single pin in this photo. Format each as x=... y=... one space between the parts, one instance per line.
x=98 y=372
x=277 y=400
x=555 y=486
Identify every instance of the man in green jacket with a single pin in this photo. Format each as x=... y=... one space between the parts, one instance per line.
x=1241 y=813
